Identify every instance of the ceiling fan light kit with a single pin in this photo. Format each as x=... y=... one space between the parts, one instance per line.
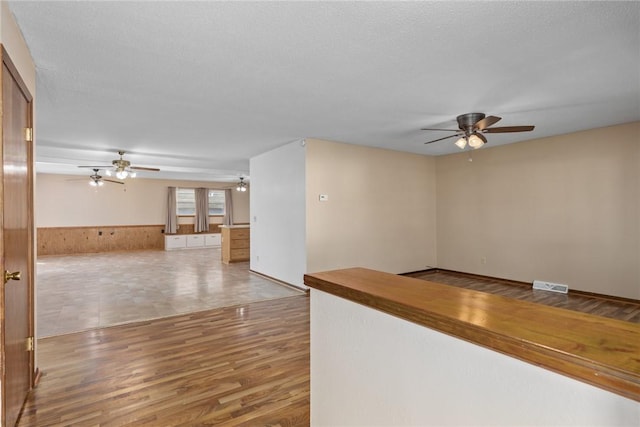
x=242 y=186
x=121 y=168
x=98 y=181
x=471 y=127
x=475 y=141
x=461 y=143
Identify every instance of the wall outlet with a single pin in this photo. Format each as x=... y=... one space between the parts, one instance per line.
x=323 y=197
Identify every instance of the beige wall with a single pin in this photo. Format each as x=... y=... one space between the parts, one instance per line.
x=14 y=43
x=564 y=209
x=68 y=201
x=381 y=208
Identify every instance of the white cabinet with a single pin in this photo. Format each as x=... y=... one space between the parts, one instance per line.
x=212 y=240
x=187 y=241
x=174 y=241
x=195 y=240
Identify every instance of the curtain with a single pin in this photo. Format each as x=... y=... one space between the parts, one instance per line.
x=171 y=222
x=228 y=208
x=202 y=210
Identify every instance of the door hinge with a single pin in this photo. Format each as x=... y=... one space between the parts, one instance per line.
x=30 y=345
x=28 y=134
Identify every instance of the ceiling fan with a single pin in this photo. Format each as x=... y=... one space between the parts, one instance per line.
x=121 y=168
x=471 y=128
x=98 y=181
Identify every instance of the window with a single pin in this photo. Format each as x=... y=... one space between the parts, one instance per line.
x=186 y=202
x=216 y=202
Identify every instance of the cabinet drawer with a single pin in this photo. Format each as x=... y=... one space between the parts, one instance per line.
x=240 y=233
x=195 y=241
x=239 y=254
x=212 y=240
x=175 y=242
x=239 y=244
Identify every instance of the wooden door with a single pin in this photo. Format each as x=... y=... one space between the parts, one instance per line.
x=16 y=310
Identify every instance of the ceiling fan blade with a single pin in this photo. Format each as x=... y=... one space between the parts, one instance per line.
x=111 y=180
x=140 y=168
x=481 y=136
x=445 y=130
x=486 y=122
x=446 y=137
x=506 y=129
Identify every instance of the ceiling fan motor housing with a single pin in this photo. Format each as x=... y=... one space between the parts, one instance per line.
x=466 y=122
x=121 y=164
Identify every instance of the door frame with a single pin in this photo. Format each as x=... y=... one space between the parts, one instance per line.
x=33 y=371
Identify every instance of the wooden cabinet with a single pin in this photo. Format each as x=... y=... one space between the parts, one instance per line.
x=235 y=243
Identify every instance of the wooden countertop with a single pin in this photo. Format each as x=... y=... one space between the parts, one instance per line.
x=597 y=350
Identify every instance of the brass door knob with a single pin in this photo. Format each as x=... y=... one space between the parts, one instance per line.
x=11 y=276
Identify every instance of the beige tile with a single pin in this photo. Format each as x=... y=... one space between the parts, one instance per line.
x=79 y=292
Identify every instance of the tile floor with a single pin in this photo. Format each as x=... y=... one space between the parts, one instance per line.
x=79 y=292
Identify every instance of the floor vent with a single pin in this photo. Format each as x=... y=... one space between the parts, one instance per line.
x=548 y=286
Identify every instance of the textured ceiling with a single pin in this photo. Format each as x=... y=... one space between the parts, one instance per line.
x=198 y=88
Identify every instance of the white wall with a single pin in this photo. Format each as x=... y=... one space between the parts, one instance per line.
x=68 y=201
x=278 y=213
x=372 y=369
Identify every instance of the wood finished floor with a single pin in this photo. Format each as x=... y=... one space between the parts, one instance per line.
x=235 y=366
x=615 y=309
x=246 y=365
